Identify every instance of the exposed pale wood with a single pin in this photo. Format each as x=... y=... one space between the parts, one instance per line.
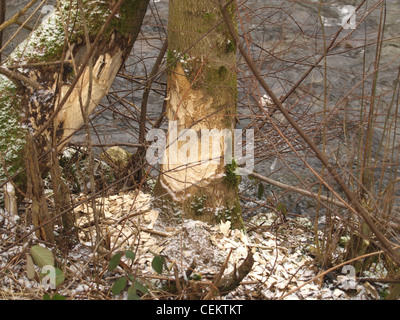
x=51 y=95
x=104 y=70
x=10 y=199
x=201 y=95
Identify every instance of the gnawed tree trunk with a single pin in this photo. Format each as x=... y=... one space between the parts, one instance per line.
x=54 y=73
x=202 y=96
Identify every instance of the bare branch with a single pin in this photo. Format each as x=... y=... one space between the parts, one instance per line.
x=18 y=76
x=19 y=14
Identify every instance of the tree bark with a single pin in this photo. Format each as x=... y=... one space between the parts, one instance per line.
x=62 y=200
x=2 y=20
x=40 y=213
x=54 y=72
x=202 y=96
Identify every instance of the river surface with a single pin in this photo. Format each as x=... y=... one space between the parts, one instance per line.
x=286 y=39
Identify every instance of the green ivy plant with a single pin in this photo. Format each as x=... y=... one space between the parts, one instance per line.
x=54 y=297
x=130 y=282
x=43 y=257
x=230 y=174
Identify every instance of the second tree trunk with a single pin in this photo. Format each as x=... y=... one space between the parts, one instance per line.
x=197 y=173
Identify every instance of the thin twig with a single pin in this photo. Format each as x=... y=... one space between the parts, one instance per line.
x=332 y=269
x=19 y=14
x=211 y=292
x=383 y=242
x=18 y=76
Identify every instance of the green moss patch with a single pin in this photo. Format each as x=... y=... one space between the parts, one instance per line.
x=12 y=132
x=47 y=42
x=231 y=178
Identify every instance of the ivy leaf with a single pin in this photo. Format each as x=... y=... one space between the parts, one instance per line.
x=196 y=277
x=119 y=286
x=42 y=256
x=132 y=295
x=130 y=255
x=282 y=208
x=30 y=268
x=55 y=297
x=137 y=285
x=114 y=262
x=60 y=277
x=158 y=264
x=260 y=192
x=58 y=297
x=140 y=287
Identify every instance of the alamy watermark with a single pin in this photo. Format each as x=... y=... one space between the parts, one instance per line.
x=49 y=280
x=349 y=19
x=47 y=11
x=207 y=146
x=47 y=277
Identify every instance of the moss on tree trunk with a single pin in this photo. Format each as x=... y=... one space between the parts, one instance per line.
x=12 y=131
x=61 y=36
x=202 y=95
x=47 y=99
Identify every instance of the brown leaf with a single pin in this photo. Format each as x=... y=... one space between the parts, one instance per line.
x=30 y=267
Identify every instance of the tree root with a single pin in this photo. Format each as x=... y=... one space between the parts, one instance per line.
x=233 y=280
x=224 y=285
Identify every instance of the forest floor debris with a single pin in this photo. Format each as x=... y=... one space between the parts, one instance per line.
x=191 y=251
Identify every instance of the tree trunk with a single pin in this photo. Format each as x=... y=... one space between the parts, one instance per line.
x=2 y=19
x=62 y=200
x=40 y=213
x=58 y=61
x=55 y=72
x=202 y=97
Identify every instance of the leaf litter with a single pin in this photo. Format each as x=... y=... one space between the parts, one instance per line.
x=282 y=262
